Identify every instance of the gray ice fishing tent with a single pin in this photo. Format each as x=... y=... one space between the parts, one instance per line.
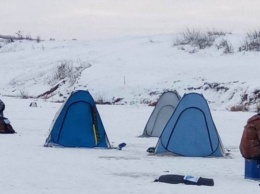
x=162 y=112
x=191 y=130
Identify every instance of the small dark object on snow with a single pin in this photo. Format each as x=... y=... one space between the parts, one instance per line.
x=121 y=145
x=188 y=180
x=33 y=104
x=5 y=126
x=151 y=150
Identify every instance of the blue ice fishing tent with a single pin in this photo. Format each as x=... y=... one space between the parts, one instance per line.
x=191 y=130
x=78 y=124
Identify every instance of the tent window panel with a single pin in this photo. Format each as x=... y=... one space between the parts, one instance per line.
x=162 y=118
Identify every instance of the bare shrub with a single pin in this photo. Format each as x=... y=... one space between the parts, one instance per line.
x=257 y=107
x=251 y=42
x=68 y=72
x=153 y=104
x=201 y=40
x=24 y=94
x=240 y=107
x=116 y=100
x=10 y=40
x=195 y=38
x=215 y=32
x=19 y=35
x=65 y=69
x=100 y=99
x=38 y=39
x=227 y=46
x=28 y=37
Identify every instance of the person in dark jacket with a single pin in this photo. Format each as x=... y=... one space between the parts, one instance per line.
x=2 y=108
x=250 y=141
x=5 y=125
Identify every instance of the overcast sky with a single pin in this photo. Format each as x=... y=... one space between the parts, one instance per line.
x=98 y=19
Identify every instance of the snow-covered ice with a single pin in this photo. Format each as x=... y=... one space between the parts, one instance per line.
x=125 y=50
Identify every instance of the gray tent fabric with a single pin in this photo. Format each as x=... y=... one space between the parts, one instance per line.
x=162 y=112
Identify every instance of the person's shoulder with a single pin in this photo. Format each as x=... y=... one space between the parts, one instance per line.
x=254 y=118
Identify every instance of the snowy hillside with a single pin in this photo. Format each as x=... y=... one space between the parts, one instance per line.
x=132 y=70
x=125 y=53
